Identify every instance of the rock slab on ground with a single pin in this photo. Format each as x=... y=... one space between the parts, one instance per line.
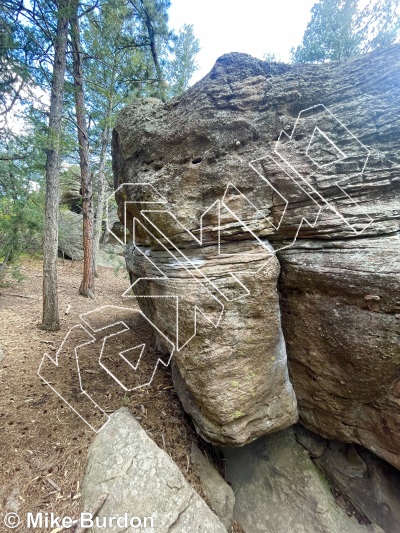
x=372 y=485
x=219 y=494
x=142 y=481
x=279 y=489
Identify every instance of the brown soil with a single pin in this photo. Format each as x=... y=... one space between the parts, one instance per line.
x=43 y=443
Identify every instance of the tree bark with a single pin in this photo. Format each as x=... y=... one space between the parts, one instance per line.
x=4 y=263
x=145 y=14
x=154 y=54
x=50 y=319
x=87 y=285
x=105 y=141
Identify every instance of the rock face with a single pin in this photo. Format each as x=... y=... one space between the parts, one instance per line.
x=369 y=483
x=339 y=306
x=218 y=493
x=142 y=482
x=304 y=158
x=230 y=363
x=279 y=489
x=70 y=242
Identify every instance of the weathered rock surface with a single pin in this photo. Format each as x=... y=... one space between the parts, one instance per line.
x=331 y=183
x=218 y=493
x=372 y=485
x=72 y=198
x=233 y=378
x=142 y=481
x=313 y=443
x=339 y=303
x=70 y=243
x=116 y=235
x=366 y=482
x=279 y=489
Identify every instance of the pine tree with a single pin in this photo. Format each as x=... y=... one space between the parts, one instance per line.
x=183 y=64
x=118 y=50
x=87 y=285
x=51 y=319
x=340 y=29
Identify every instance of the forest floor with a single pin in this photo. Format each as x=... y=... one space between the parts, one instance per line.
x=43 y=443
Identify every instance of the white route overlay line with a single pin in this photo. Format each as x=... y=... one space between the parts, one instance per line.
x=56 y=363
x=299 y=176
x=272 y=252
x=303 y=220
x=200 y=282
x=160 y=201
x=316 y=129
x=126 y=328
x=189 y=266
x=177 y=299
x=203 y=278
x=193 y=268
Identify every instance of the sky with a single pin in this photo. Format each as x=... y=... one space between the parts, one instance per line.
x=251 y=26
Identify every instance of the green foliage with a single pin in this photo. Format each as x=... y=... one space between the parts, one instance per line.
x=16 y=51
x=115 y=69
x=340 y=29
x=129 y=51
x=21 y=224
x=182 y=66
x=25 y=46
x=21 y=198
x=270 y=57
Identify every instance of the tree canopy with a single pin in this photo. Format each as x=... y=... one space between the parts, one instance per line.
x=340 y=29
x=66 y=69
x=119 y=40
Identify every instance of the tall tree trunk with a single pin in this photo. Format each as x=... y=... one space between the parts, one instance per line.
x=50 y=319
x=87 y=285
x=4 y=263
x=154 y=54
x=105 y=141
x=153 y=48
x=147 y=13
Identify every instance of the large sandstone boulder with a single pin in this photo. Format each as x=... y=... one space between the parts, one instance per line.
x=304 y=158
x=230 y=363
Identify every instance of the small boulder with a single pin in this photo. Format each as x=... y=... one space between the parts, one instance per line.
x=142 y=482
x=219 y=494
x=70 y=242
